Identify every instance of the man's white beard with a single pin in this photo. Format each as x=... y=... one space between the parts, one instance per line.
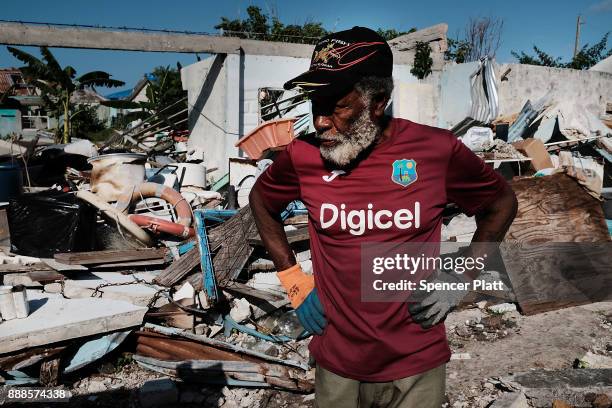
x=350 y=144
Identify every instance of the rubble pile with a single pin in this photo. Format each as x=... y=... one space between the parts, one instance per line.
x=135 y=260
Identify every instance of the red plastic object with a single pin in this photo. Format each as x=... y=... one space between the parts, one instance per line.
x=157 y=225
x=275 y=133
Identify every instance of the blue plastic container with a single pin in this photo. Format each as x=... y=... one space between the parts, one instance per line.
x=11 y=181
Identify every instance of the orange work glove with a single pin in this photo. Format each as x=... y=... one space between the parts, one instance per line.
x=297 y=284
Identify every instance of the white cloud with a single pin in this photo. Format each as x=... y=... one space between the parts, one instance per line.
x=602 y=6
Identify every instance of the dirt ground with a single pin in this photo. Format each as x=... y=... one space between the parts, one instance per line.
x=550 y=340
x=489 y=345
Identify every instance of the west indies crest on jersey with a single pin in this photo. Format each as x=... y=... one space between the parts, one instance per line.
x=404 y=172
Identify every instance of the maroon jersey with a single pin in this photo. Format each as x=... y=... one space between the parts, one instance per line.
x=396 y=194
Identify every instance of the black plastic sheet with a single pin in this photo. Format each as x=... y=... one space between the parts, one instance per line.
x=42 y=224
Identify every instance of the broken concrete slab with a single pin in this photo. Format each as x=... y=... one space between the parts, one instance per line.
x=591 y=360
x=54 y=318
x=511 y=400
x=131 y=288
x=303 y=256
x=571 y=386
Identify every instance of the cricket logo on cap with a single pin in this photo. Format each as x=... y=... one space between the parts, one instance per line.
x=325 y=54
x=338 y=55
x=404 y=172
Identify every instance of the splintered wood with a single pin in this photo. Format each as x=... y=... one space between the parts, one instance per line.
x=557 y=251
x=556 y=209
x=234 y=250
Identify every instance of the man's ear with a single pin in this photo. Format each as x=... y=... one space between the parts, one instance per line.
x=379 y=103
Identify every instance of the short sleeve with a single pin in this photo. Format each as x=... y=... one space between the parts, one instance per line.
x=279 y=184
x=470 y=182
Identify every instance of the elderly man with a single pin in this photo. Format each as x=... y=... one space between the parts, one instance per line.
x=367 y=354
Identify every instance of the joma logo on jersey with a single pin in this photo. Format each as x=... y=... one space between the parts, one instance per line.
x=404 y=172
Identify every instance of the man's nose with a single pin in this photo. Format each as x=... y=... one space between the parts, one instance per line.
x=322 y=123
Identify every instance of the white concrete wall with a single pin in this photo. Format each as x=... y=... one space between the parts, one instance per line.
x=231 y=110
x=442 y=99
x=261 y=72
x=454 y=89
x=208 y=122
x=588 y=89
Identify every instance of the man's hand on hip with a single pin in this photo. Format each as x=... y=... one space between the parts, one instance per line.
x=430 y=308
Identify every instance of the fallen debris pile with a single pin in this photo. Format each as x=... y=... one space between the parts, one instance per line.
x=142 y=253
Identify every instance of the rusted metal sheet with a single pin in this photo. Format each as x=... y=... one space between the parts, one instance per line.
x=243 y=352
x=260 y=374
x=163 y=347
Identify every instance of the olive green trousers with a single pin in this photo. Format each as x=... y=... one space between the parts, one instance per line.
x=425 y=390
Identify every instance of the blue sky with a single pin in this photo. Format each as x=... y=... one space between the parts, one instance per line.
x=550 y=24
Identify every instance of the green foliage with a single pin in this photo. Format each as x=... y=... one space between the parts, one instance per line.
x=584 y=59
x=258 y=26
x=392 y=33
x=541 y=58
x=458 y=50
x=422 y=60
x=85 y=121
x=57 y=85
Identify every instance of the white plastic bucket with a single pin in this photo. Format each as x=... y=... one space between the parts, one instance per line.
x=195 y=174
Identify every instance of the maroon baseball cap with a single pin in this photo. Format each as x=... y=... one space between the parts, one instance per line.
x=341 y=59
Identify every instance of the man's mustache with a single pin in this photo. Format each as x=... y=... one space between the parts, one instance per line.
x=324 y=137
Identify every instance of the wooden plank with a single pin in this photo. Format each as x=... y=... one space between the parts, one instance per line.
x=294 y=236
x=235 y=250
x=111 y=256
x=556 y=208
x=245 y=290
x=557 y=250
x=49 y=372
x=555 y=275
x=131 y=264
x=179 y=268
x=296 y=220
x=45 y=276
x=16 y=268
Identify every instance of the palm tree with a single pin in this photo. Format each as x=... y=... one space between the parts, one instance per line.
x=57 y=84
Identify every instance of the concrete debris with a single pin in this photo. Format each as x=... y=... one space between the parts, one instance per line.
x=591 y=360
x=570 y=387
x=52 y=319
x=511 y=400
x=502 y=308
x=156 y=393
x=186 y=291
x=241 y=310
x=227 y=319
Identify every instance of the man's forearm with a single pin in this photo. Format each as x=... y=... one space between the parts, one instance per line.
x=492 y=224
x=494 y=221
x=271 y=232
